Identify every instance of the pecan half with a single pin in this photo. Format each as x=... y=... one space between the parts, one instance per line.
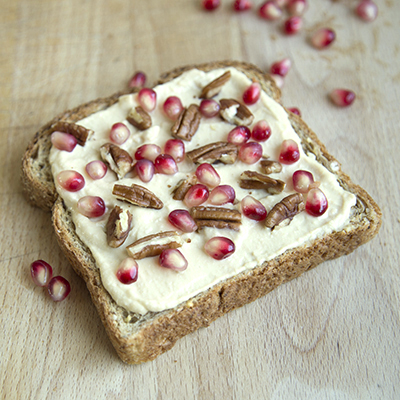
x=118 y=226
x=80 y=133
x=139 y=118
x=235 y=113
x=216 y=217
x=214 y=87
x=270 y=167
x=187 y=123
x=137 y=195
x=285 y=209
x=255 y=180
x=219 y=151
x=182 y=187
x=118 y=159
x=154 y=245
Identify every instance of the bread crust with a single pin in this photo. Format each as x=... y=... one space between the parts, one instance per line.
x=139 y=338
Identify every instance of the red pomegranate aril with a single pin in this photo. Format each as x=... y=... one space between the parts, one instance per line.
x=316 y=203
x=128 y=271
x=242 y=5
x=296 y=7
x=59 y=288
x=219 y=247
x=145 y=170
x=367 y=10
x=91 y=206
x=252 y=94
x=173 y=107
x=290 y=152
x=295 y=110
x=71 y=180
x=209 y=108
x=147 y=99
x=196 y=195
x=281 y=67
x=270 y=10
x=342 y=97
x=250 y=152
x=176 y=149
x=207 y=175
x=279 y=81
x=182 y=220
x=119 y=133
x=239 y=135
x=96 y=169
x=63 y=141
x=148 y=151
x=211 y=5
x=323 y=38
x=173 y=259
x=261 y=131
x=165 y=164
x=221 y=195
x=138 y=80
x=302 y=181
x=292 y=25
x=41 y=272
x=253 y=209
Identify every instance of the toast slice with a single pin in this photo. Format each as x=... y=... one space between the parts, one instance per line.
x=142 y=336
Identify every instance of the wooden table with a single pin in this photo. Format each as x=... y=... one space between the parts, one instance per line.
x=333 y=333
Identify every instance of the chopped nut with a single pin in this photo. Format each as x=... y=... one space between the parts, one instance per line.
x=285 y=209
x=216 y=217
x=118 y=226
x=80 y=133
x=219 y=151
x=154 y=245
x=139 y=118
x=187 y=123
x=255 y=180
x=118 y=159
x=235 y=113
x=183 y=186
x=270 y=167
x=214 y=87
x=137 y=195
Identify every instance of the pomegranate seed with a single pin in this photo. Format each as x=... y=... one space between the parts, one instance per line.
x=242 y=5
x=270 y=10
x=128 y=271
x=239 y=135
x=173 y=107
x=71 y=180
x=252 y=94
x=138 y=80
x=261 y=131
x=302 y=180
x=316 y=203
x=323 y=38
x=211 y=5
x=296 y=7
x=289 y=152
x=145 y=170
x=196 y=195
x=281 y=67
x=147 y=99
x=165 y=164
x=253 y=209
x=59 y=288
x=148 y=151
x=281 y=3
x=176 y=149
x=342 y=97
x=219 y=247
x=96 y=169
x=91 y=206
x=209 y=108
x=63 y=141
x=119 y=133
x=250 y=152
x=278 y=81
x=222 y=194
x=295 y=110
x=207 y=175
x=41 y=272
x=292 y=25
x=367 y=10
x=173 y=259
x=182 y=220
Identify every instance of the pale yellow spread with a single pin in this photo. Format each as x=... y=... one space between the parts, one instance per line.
x=158 y=288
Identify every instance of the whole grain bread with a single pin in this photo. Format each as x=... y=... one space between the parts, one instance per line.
x=140 y=338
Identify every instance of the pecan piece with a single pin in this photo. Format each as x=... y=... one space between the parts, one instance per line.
x=182 y=187
x=235 y=113
x=80 y=133
x=270 y=167
x=139 y=118
x=118 y=226
x=285 y=209
x=137 y=195
x=216 y=217
x=219 y=151
x=187 y=123
x=153 y=245
x=118 y=159
x=214 y=87
x=255 y=180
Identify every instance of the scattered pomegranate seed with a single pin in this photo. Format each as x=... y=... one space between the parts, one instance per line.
x=242 y=5
x=302 y=180
x=316 y=203
x=96 y=169
x=296 y=7
x=138 y=80
x=128 y=271
x=281 y=67
x=176 y=149
x=252 y=94
x=196 y=195
x=147 y=99
x=270 y=10
x=239 y=135
x=63 y=141
x=207 y=175
x=342 y=97
x=173 y=107
x=119 y=133
x=182 y=220
x=71 y=180
x=211 y=5
x=250 y=152
x=289 y=152
x=219 y=247
x=278 y=81
x=253 y=209
x=173 y=259
x=165 y=164
x=292 y=25
x=221 y=195
x=261 y=131
x=323 y=38
x=91 y=206
x=367 y=10
x=41 y=272
x=145 y=170
x=59 y=288
x=148 y=151
x=209 y=108
x=295 y=110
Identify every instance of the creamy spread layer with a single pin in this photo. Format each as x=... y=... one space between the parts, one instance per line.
x=158 y=288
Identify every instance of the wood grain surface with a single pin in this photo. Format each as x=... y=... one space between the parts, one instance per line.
x=334 y=333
